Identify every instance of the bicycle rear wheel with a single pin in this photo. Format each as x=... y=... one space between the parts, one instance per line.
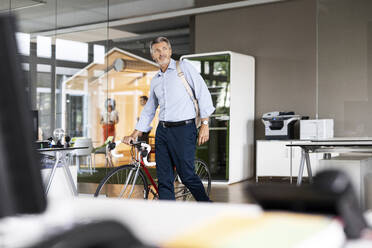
x=119 y=183
x=202 y=170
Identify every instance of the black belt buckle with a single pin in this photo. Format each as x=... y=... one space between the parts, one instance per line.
x=166 y=124
x=189 y=121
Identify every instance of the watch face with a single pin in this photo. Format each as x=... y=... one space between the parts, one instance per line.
x=205 y=122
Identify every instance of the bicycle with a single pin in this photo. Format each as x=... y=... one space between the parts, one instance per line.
x=130 y=180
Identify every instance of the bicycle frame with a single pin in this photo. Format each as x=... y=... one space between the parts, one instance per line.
x=140 y=162
x=143 y=166
x=139 y=155
x=143 y=163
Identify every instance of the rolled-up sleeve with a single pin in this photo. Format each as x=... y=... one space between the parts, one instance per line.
x=201 y=91
x=148 y=112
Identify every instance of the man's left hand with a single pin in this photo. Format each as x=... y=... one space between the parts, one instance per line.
x=203 y=134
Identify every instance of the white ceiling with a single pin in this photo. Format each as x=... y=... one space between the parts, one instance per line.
x=72 y=13
x=62 y=14
x=128 y=24
x=15 y=4
x=97 y=35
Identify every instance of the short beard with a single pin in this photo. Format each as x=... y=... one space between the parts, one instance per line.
x=164 y=63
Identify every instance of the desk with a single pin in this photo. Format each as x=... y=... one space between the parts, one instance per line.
x=61 y=157
x=160 y=222
x=339 y=145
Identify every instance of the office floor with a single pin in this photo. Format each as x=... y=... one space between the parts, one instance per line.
x=234 y=193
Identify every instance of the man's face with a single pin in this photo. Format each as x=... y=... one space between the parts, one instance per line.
x=142 y=101
x=161 y=53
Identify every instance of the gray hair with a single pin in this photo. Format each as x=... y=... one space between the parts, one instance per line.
x=159 y=40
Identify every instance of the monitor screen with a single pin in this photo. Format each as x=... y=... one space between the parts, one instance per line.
x=21 y=188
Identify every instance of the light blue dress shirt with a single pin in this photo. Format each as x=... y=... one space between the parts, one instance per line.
x=168 y=92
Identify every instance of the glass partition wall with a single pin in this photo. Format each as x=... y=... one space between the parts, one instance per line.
x=68 y=50
x=38 y=56
x=52 y=53
x=66 y=64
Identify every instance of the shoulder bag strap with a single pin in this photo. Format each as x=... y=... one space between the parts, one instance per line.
x=188 y=88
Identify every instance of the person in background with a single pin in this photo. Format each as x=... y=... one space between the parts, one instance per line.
x=109 y=118
x=143 y=100
x=176 y=134
x=145 y=135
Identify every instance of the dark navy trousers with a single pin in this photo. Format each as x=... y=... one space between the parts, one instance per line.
x=176 y=146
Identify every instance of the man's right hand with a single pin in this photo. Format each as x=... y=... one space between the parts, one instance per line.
x=128 y=140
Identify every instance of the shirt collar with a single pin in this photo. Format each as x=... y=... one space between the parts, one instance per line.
x=172 y=66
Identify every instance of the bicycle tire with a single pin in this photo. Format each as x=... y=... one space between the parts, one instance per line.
x=202 y=170
x=110 y=184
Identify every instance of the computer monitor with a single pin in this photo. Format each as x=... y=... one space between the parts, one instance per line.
x=21 y=188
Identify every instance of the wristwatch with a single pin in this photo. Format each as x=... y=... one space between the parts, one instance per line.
x=205 y=123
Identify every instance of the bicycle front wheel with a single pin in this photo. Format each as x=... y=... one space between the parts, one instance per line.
x=126 y=181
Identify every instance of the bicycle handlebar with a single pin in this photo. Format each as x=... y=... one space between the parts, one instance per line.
x=113 y=151
x=148 y=148
x=142 y=146
x=136 y=143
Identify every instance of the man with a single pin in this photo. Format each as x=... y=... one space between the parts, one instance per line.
x=176 y=134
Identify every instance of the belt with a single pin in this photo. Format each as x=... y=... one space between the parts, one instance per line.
x=175 y=124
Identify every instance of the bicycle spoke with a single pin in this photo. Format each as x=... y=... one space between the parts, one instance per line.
x=201 y=174
x=184 y=194
x=178 y=191
x=201 y=170
x=133 y=183
x=120 y=183
x=126 y=183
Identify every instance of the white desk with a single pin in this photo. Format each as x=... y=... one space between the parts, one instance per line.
x=338 y=145
x=157 y=222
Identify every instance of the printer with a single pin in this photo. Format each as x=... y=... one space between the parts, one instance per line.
x=280 y=125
